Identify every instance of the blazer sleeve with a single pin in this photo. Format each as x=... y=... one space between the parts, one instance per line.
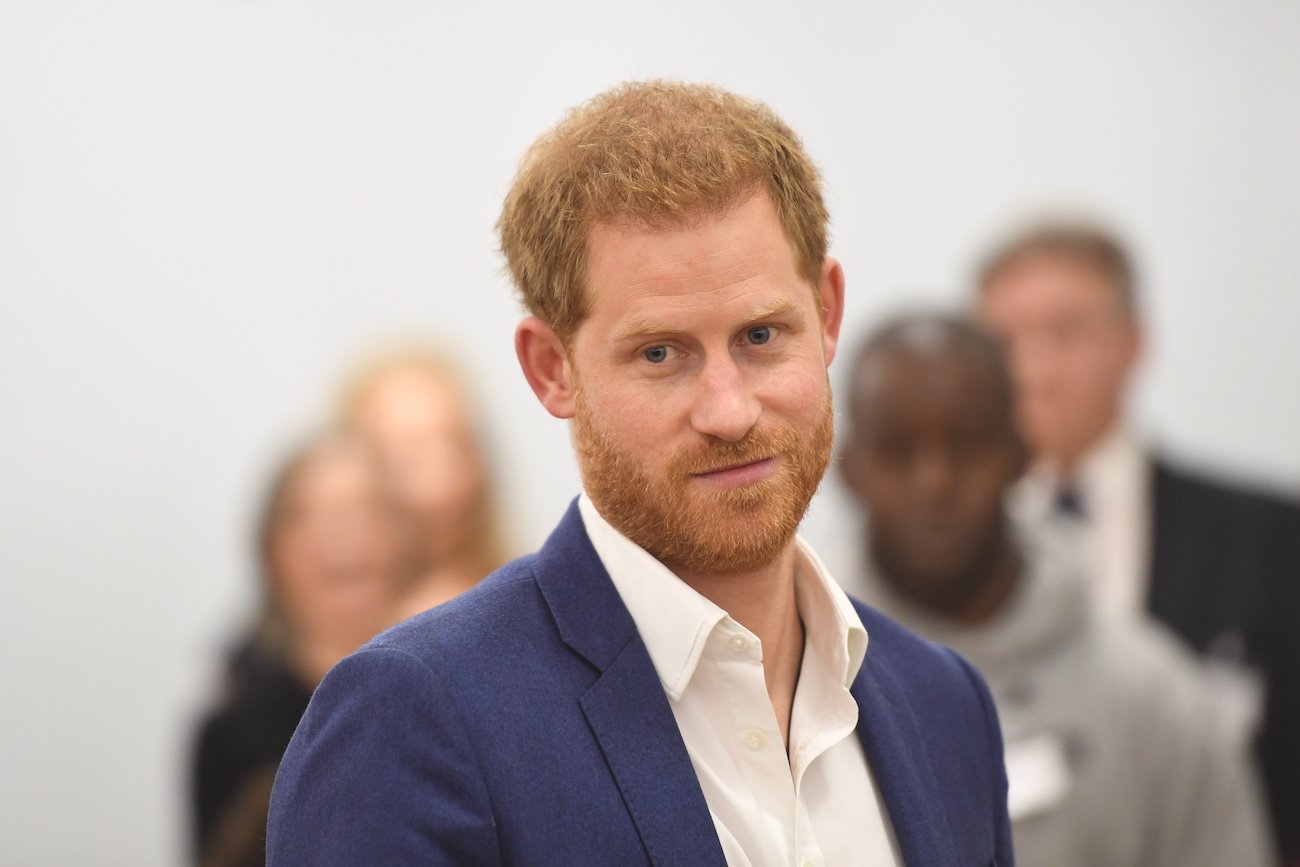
x=998 y=768
x=381 y=771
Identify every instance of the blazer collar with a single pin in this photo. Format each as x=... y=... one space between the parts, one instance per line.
x=626 y=707
x=895 y=748
x=629 y=716
x=588 y=611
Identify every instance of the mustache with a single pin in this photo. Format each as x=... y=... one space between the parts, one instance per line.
x=717 y=454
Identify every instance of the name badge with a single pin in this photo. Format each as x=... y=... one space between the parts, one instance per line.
x=1038 y=774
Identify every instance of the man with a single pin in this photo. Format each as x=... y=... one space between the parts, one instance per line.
x=1218 y=564
x=1112 y=754
x=673 y=679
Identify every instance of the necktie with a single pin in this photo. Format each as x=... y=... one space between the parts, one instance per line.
x=1069 y=502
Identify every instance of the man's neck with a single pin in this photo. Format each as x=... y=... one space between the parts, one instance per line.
x=1067 y=465
x=765 y=603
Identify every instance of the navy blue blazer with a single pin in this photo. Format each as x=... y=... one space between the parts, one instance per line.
x=523 y=723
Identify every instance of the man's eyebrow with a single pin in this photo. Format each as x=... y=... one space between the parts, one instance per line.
x=641 y=328
x=647 y=327
x=780 y=307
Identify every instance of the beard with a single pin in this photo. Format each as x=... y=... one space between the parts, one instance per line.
x=691 y=526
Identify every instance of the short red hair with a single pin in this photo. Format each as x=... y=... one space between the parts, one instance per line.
x=654 y=153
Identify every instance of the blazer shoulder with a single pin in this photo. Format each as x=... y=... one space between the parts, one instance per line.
x=934 y=678
x=504 y=633
x=381 y=766
x=947 y=704
x=906 y=652
x=504 y=604
x=1194 y=488
x=1203 y=525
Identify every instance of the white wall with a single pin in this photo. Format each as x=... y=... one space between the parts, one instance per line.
x=207 y=209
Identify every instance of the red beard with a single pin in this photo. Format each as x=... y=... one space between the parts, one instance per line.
x=686 y=525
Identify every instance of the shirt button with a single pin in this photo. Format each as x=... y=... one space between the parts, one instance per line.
x=739 y=643
x=754 y=739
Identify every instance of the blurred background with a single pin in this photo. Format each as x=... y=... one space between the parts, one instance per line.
x=209 y=211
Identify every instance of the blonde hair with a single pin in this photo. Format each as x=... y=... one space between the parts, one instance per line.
x=397 y=358
x=488 y=549
x=655 y=154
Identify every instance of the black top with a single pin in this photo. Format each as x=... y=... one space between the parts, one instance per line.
x=1225 y=575
x=242 y=741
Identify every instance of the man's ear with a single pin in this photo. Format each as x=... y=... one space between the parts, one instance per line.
x=545 y=362
x=831 y=287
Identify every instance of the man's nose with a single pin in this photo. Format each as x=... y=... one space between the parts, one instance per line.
x=933 y=474
x=1030 y=357
x=725 y=403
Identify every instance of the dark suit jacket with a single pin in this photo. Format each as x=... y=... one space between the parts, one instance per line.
x=524 y=723
x=1225 y=575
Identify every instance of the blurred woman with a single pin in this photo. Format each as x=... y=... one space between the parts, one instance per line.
x=336 y=552
x=414 y=407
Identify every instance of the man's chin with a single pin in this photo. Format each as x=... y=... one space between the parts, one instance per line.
x=709 y=499
x=733 y=537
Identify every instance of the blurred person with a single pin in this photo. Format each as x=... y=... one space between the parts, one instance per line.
x=1112 y=754
x=1217 y=563
x=674 y=679
x=412 y=404
x=335 y=549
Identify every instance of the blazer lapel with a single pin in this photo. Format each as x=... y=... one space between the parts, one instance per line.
x=629 y=714
x=895 y=748
x=626 y=707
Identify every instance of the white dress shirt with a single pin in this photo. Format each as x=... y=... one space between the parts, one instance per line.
x=1114 y=531
x=817 y=806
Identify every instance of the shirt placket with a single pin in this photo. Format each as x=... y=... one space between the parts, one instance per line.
x=756 y=741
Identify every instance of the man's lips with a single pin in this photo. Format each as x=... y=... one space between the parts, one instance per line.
x=738 y=474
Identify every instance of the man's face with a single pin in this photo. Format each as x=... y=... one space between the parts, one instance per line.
x=1071 y=346
x=930 y=456
x=703 y=412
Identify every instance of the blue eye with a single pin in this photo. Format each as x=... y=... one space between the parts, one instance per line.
x=759 y=335
x=656 y=354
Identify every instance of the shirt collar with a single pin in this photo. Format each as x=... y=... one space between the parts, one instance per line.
x=1114 y=467
x=675 y=622
x=1115 y=464
x=833 y=628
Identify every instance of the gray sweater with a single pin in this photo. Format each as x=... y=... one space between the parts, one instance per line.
x=1116 y=755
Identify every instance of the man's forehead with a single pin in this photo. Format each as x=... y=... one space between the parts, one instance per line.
x=730 y=271
x=947 y=372
x=1051 y=276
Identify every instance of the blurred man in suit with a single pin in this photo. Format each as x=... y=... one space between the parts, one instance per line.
x=1113 y=754
x=1218 y=563
x=674 y=679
